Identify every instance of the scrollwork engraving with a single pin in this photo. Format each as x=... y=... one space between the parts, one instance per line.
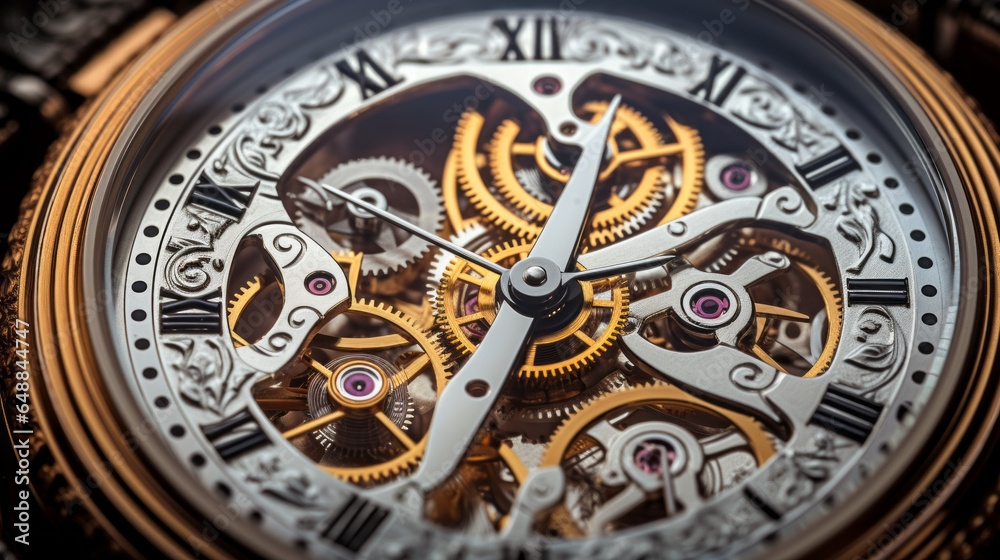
x=859 y=223
x=205 y=374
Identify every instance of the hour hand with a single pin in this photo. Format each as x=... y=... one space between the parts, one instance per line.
x=469 y=397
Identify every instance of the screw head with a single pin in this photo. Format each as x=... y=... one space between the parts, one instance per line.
x=534 y=276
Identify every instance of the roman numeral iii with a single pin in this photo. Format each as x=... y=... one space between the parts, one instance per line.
x=845 y=413
x=878 y=292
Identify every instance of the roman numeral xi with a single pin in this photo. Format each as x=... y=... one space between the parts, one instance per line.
x=228 y=201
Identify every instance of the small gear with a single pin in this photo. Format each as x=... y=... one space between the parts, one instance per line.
x=525 y=177
x=478 y=497
x=534 y=420
x=366 y=424
x=237 y=305
x=391 y=184
x=251 y=310
x=466 y=305
x=659 y=395
x=474 y=237
x=630 y=437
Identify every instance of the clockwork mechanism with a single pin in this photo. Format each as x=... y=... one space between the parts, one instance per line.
x=512 y=175
x=649 y=452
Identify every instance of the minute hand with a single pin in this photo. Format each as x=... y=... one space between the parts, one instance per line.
x=562 y=232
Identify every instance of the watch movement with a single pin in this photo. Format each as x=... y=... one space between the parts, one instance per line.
x=510 y=279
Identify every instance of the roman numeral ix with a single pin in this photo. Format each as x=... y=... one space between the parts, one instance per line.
x=190 y=314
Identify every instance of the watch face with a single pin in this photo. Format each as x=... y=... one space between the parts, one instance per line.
x=675 y=278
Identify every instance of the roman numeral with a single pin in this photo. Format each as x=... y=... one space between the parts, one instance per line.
x=828 y=167
x=370 y=84
x=355 y=523
x=878 y=292
x=542 y=32
x=235 y=435
x=757 y=498
x=846 y=413
x=707 y=89
x=190 y=314
x=227 y=201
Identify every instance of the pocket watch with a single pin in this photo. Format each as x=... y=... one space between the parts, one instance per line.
x=500 y=280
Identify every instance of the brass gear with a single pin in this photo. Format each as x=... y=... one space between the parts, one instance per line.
x=431 y=358
x=513 y=208
x=569 y=442
x=461 y=323
x=563 y=440
x=409 y=458
x=238 y=304
x=428 y=358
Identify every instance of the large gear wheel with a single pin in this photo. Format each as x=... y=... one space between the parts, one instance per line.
x=391 y=184
x=645 y=177
x=648 y=452
x=467 y=305
x=358 y=413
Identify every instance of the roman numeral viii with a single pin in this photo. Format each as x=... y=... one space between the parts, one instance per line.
x=180 y=314
x=235 y=435
x=546 y=42
x=846 y=413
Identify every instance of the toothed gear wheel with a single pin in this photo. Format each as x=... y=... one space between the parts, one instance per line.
x=534 y=421
x=258 y=300
x=475 y=238
x=466 y=305
x=359 y=415
x=393 y=185
x=237 y=304
x=628 y=437
x=514 y=183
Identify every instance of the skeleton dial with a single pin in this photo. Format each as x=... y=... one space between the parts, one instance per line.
x=299 y=347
